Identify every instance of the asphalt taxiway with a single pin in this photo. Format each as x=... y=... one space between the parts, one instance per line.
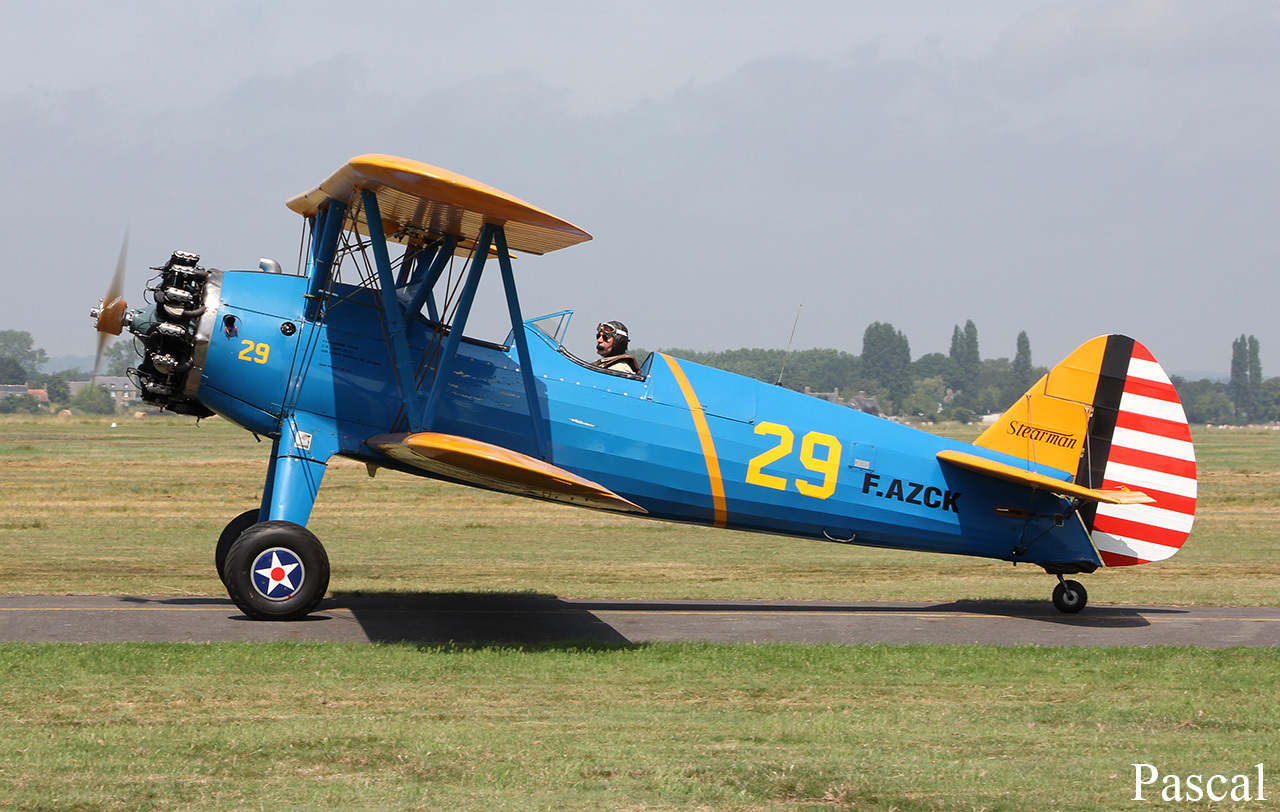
x=517 y=619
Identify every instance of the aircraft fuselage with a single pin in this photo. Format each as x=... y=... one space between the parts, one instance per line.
x=686 y=442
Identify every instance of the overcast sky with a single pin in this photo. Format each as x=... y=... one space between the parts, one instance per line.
x=1065 y=168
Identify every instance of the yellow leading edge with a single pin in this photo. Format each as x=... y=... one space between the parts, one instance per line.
x=416 y=199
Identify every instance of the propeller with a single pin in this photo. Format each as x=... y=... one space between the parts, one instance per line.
x=109 y=314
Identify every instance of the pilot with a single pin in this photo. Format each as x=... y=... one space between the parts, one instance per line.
x=611 y=344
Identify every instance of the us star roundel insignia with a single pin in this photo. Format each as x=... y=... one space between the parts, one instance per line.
x=277 y=573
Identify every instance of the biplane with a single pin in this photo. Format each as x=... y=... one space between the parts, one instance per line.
x=364 y=352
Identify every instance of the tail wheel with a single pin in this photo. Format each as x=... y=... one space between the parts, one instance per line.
x=1069 y=597
x=231 y=534
x=277 y=571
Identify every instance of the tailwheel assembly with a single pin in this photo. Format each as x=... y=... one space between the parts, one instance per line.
x=1069 y=597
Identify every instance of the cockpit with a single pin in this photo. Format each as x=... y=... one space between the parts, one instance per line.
x=555 y=326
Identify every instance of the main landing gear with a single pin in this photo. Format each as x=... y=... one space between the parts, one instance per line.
x=1069 y=597
x=274 y=570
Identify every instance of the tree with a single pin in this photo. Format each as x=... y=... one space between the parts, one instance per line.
x=925 y=400
x=1245 y=386
x=17 y=344
x=1204 y=401
x=11 y=371
x=886 y=359
x=119 y=357
x=936 y=365
x=93 y=399
x=1255 y=380
x=56 y=384
x=964 y=351
x=1269 y=400
x=1238 y=386
x=57 y=390
x=1024 y=374
x=19 y=403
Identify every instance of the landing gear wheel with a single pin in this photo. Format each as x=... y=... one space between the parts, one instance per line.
x=229 y=536
x=277 y=571
x=1069 y=597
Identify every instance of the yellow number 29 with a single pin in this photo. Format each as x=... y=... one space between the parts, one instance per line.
x=257 y=353
x=828 y=464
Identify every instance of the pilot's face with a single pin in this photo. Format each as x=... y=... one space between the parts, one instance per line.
x=604 y=344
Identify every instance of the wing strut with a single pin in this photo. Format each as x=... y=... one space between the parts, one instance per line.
x=423 y=294
x=445 y=368
x=522 y=346
x=491 y=236
x=391 y=308
x=324 y=242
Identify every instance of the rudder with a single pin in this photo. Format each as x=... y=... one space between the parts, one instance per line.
x=1110 y=414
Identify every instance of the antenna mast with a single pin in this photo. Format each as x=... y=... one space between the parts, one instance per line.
x=788 y=352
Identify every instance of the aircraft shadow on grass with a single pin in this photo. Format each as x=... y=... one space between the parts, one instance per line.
x=522 y=618
x=475 y=618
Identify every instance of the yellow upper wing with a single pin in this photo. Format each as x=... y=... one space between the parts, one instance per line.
x=416 y=198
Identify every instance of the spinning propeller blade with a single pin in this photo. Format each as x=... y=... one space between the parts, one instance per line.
x=109 y=314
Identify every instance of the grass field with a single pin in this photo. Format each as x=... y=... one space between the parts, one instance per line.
x=136 y=509
x=87 y=508
x=665 y=727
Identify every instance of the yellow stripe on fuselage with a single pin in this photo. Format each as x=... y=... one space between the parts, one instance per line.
x=704 y=437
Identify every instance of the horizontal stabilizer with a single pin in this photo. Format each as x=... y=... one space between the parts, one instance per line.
x=496 y=468
x=1009 y=473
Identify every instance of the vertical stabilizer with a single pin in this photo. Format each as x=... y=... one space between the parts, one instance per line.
x=1110 y=414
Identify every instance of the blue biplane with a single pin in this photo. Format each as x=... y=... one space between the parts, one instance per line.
x=364 y=354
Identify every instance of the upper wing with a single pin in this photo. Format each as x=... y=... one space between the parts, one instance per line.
x=1009 y=473
x=414 y=198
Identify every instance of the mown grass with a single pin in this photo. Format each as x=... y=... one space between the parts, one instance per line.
x=87 y=508
x=136 y=509
x=660 y=727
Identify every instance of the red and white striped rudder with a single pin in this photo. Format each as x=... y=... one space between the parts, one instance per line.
x=1140 y=440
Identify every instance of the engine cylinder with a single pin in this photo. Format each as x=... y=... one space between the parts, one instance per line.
x=172 y=335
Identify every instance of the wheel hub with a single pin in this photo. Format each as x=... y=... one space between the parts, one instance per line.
x=278 y=574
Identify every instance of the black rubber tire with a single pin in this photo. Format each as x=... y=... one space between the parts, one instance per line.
x=229 y=536
x=1069 y=597
x=296 y=556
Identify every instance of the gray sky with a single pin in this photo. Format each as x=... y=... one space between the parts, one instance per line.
x=1065 y=168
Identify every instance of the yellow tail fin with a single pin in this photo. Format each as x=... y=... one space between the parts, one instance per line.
x=1049 y=425
x=1109 y=416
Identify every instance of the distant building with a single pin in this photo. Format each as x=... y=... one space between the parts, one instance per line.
x=860 y=401
x=122 y=390
x=41 y=396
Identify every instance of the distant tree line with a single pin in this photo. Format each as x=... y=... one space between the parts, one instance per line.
x=957 y=386
x=21 y=362
x=1245 y=398
x=961 y=386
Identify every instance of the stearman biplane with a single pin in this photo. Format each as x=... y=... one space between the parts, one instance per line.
x=365 y=353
